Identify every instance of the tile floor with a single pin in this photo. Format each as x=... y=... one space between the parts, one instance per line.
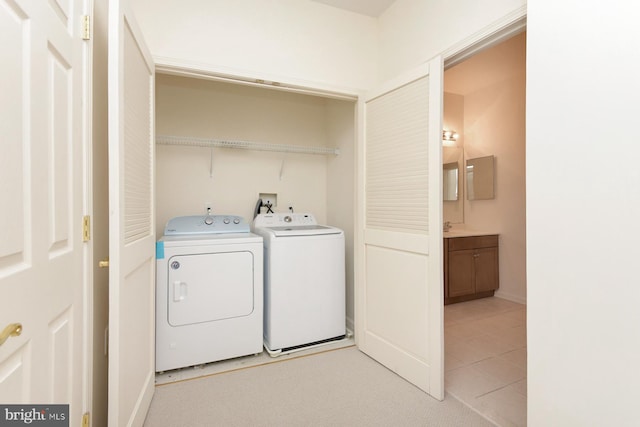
x=486 y=358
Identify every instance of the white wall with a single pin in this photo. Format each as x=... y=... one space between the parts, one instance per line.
x=277 y=39
x=414 y=31
x=341 y=186
x=583 y=201
x=583 y=205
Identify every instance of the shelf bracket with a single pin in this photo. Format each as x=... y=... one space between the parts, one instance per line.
x=281 y=168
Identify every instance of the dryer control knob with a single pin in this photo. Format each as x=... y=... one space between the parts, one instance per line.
x=236 y=221
x=226 y=221
x=208 y=220
x=287 y=218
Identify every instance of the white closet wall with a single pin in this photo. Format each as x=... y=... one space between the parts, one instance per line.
x=188 y=178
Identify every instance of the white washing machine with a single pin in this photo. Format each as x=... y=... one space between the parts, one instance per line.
x=304 y=279
x=209 y=291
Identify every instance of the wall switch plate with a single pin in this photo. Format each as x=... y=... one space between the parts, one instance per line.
x=267 y=198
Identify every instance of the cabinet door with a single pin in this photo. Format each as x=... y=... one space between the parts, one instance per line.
x=486 y=269
x=461 y=273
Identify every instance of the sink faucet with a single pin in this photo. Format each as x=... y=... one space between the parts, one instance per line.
x=447 y=226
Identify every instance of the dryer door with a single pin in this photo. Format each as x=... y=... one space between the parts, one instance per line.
x=209 y=287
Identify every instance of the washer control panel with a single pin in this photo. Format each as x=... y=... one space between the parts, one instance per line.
x=284 y=219
x=206 y=224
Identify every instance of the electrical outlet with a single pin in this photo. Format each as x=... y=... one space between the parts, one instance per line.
x=269 y=198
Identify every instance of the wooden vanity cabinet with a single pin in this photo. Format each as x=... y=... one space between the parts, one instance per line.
x=470 y=268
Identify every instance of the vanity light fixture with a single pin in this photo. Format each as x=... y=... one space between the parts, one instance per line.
x=450 y=136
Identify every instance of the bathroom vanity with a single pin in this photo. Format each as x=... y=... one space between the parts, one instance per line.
x=470 y=266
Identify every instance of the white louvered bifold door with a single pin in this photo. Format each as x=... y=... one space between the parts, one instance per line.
x=397 y=173
x=131 y=221
x=399 y=287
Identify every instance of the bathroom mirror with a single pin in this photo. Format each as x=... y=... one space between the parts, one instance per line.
x=450 y=181
x=480 y=178
x=452 y=162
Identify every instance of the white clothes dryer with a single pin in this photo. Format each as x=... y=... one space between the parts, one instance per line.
x=304 y=279
x=209 y=291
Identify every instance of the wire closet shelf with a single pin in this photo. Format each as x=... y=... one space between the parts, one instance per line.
x=190 y=141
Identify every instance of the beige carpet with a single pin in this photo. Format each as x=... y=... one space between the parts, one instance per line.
x=336 y=388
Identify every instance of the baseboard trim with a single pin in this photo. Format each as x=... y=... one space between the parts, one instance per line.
x=511 y=297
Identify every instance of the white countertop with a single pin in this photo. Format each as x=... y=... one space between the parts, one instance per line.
x=465 y=233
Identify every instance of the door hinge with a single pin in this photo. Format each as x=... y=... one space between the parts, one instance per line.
x=85 y=420
x=86 y=228
x=86 y=27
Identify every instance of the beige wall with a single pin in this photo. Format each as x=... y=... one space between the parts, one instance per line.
x=186 y=178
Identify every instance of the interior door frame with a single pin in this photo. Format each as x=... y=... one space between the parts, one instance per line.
x=197 y=70
x=182 y=68
x=491 y=35
x=499 y=31
x=87 y=189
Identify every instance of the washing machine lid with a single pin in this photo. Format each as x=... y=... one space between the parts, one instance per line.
x=303 y=230
x=205 y=225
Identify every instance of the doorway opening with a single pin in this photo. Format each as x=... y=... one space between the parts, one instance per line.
x=485 y=338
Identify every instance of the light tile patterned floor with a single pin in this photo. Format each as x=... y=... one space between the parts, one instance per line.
x=486 y=358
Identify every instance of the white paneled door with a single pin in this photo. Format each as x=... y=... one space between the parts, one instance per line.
x=131 y=221
x=42 y=252
x=399 y=299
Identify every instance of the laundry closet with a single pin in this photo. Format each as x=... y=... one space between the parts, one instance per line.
x=220 y=145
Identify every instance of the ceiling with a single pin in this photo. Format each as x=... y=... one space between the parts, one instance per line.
x=364 y=7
